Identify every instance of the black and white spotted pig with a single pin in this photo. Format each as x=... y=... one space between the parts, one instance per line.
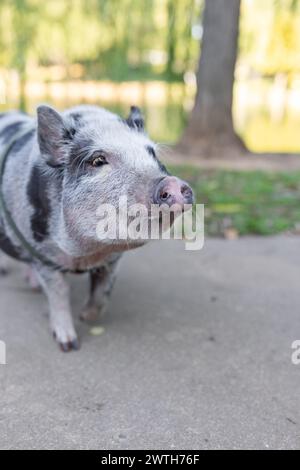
x=56 y=176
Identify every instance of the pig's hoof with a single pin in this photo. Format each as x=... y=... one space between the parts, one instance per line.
x=67 y=346
x=70 y=346
x=90 y=314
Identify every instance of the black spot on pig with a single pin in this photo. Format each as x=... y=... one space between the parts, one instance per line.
x=22 y=141
x=9 y=131
x=38 y=197
x=135 y=119
x=80 y=154
x=68 y=134
x=77 y=117
x=151 y=152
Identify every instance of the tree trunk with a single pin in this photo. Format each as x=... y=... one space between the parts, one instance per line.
x=211 y=120
x=171 y=37
x=22 y=92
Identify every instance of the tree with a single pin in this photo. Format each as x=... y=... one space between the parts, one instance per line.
x=171 y=37
x=24 y=21
x=211 y=122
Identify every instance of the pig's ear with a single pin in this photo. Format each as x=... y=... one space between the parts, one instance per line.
x=135 y=119
x=52 y=135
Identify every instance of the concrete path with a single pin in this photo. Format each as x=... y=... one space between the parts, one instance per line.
x=195 y=354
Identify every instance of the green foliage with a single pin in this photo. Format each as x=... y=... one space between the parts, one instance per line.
x=270 y=39
x=251 y=202
x=140 y=39
x=111 y=38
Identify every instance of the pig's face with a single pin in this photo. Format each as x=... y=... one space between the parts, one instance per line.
x=100 y=158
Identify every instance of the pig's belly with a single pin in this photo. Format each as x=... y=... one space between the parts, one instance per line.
x=105 y=255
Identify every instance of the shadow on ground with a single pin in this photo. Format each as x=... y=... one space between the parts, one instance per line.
x=195 y=354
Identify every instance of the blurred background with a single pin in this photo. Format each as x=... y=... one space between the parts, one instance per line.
x=146 y=52
x=119 y=52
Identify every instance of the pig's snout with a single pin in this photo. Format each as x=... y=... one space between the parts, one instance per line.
x=171 y=190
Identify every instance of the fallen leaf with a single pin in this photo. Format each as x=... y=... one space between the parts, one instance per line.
x=97 y=330
x=231 y=234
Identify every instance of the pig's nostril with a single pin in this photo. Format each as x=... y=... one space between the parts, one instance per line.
x=171 y=190
x=185 y=190
x=187 y=193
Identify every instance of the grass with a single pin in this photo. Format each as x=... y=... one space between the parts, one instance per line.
x=243 y=202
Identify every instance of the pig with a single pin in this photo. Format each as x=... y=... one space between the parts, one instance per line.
x=58 y=171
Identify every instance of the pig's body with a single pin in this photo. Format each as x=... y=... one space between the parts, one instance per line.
x=33 y=196
x=56 y=175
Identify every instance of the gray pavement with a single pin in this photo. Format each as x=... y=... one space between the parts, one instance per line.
x=195 y=354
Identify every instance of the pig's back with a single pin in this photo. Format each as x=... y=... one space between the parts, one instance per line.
x=11 y=123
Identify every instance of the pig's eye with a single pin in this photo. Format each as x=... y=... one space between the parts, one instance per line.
x=98 y=160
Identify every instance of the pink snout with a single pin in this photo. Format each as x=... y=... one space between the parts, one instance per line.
x=171 y=190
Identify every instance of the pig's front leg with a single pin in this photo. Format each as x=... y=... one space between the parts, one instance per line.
x=57 y=290
x=101 y=284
